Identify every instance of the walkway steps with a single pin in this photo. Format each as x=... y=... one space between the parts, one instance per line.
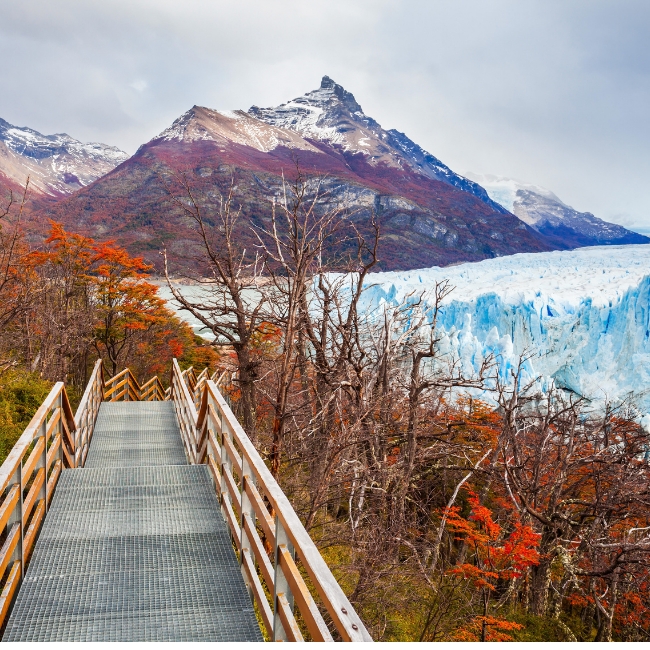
x=134 y=547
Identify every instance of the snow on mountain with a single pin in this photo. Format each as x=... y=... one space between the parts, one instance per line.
x=56 y=164
x=583 y=316
x=225 y=127
x=331 y=114
x=546 y=213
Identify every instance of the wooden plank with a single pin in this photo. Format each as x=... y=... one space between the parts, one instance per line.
x=258 y=591
x=51 y=452
x=67 y=418
x=54 y=420
x=15 y=456
x=8 y=506
x=9 y=547
x=232 y=489
x=213 y=444
x=113 y=379
x=260 y=554
x=32 y=495
x=94 y=381
x=115 y=388
x=216 y=474
x=116 y=398
x=30 y=536
x=68 y=457
x=212 y=414
x=34 y=457
x=303 y=599
x=68 y=440
x=262 y=513
x=289 y=624
x=232 y=522
x=9 y=590
x=232 y=453
x=51 y=483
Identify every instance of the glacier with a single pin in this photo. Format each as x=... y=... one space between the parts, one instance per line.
x=581 y=316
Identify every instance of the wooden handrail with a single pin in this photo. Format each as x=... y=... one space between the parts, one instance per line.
x=86 y=414
x=53 y=440
x=251 y=497
x=185 y=411
x=125 y=386
x=28 y=478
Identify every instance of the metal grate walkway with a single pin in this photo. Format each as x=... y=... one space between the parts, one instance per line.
x=134 y=547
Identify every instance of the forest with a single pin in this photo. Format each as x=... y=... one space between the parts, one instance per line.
x=521 y=515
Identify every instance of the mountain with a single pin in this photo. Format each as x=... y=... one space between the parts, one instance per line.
x=331 y=114
x=56 y=164
x=546 y=213
x=427 y=213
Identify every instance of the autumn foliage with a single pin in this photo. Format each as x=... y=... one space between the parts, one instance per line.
x=72 y=300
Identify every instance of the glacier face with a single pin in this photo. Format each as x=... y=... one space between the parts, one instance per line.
x=583 y=316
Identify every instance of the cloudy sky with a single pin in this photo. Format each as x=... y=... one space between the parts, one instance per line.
x=552 y=92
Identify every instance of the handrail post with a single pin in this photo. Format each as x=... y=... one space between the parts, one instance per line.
x=246 y=509
x=225 y=464
x=280 y=583
x=17 y=518
x=42 y=461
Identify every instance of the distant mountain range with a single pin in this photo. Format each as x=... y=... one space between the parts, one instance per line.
x=428 y=214
x=56 y=164
x=548 y=215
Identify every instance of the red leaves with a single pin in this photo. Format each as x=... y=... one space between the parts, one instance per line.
x=496 y=556
x=487 y=628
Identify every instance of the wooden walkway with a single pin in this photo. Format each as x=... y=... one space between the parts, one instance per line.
x=149 y=515
x=134 y=546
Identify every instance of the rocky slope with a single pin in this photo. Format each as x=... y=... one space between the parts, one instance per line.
x=427 y=213
x=56 y=164
x=546 y=213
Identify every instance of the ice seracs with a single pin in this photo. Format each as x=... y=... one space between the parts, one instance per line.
x=56 y=164
x=582 y=317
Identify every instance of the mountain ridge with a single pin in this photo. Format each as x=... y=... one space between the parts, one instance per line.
x=57 y=164
x=428 y=214
x=542 y=210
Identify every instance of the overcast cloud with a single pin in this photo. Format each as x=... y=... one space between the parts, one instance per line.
x=552 y=92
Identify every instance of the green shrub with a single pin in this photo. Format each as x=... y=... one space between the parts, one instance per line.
x=21 y=393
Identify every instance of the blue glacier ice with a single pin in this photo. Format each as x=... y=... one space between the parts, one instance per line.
x=582 y=315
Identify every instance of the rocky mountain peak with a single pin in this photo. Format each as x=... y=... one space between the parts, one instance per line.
x=331 y=114
x=327 y=113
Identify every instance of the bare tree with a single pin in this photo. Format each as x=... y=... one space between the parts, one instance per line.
x=230 y=303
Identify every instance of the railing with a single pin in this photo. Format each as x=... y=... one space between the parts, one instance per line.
x=28 y=478
x=86 y=414
x=260 y=517
x=125 y=387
